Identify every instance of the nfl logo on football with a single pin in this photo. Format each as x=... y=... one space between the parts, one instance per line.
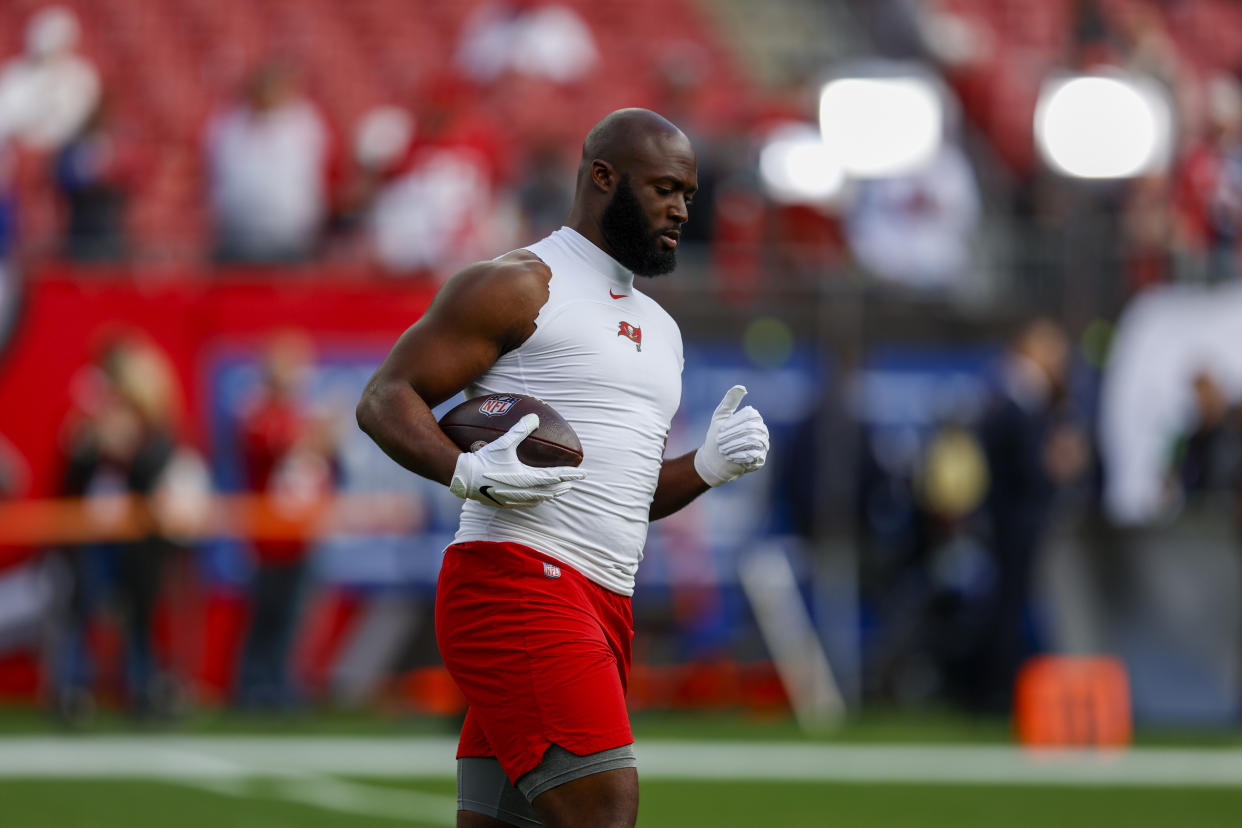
x=497 y=404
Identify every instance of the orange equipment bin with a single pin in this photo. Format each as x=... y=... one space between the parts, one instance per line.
x=1073 y=701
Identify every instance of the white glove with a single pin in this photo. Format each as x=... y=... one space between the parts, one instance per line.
x=494 y=475
x=737 y=441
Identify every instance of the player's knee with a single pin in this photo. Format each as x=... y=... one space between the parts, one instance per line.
x=602 y=800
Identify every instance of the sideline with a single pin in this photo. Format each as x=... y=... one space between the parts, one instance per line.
x=251 y=757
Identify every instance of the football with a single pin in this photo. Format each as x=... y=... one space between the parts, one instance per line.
x=477 y=422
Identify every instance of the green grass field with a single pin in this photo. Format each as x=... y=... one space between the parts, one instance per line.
x=137 y=804
x=311 y=799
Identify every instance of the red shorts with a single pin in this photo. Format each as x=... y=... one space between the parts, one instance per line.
x=541 y=654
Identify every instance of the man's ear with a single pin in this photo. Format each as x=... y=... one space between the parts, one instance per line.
x=603 y=176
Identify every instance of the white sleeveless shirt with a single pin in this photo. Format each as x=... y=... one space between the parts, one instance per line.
x=609 y=360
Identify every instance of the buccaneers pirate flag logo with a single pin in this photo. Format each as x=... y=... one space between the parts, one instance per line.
x=632 y=333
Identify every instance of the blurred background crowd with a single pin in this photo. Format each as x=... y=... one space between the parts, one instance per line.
x=1004 y=387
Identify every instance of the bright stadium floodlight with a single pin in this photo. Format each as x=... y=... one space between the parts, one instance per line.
x=881 y=127
x=796 y=167
x=1097 y=126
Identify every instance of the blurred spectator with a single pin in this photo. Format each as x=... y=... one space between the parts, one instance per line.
x=1209 y=188
x=431 y=219
x=95 y=173
x=440 y=209
x=290 y=457
x=381 y=144
x=47 y=93
x=1208 y=458
x=918 y=230
x=123 y=443
x=1032 y=448
x=269 y=168
x=527 y=37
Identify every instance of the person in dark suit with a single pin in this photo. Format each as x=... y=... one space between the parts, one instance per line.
x=1032 y=448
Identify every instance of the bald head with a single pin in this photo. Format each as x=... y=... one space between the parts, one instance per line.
x=625 y=136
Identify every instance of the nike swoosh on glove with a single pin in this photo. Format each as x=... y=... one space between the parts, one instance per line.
x=736 y=443
x=494 y=475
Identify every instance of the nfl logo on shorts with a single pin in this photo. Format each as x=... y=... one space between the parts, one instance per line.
x=551 y=571
x=497 y=404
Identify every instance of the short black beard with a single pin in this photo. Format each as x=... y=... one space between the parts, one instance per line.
x=634 y=242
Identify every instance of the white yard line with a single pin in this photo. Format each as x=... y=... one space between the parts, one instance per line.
x=337 y=795
x=297 y=758
x=211 y=756
x=219 y=772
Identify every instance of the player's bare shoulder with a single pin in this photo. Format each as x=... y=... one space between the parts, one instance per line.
x=501 y=297
x=525 y=275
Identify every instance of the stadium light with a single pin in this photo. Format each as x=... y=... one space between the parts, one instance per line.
x=1101 y=126
x=880 y=127
x=796 y=167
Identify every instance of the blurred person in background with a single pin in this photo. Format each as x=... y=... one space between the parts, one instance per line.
x=289 y=457
x=1033 y=448
x=513 y=52
x=541 y=39
x=1207 y=458
x=270 y=164
x=122 y=443
x=1209 y=186
x=434 y=216
x=381 y=146
x=918 y=230
x=47 y=93
x=95 y=172
x=440 y=208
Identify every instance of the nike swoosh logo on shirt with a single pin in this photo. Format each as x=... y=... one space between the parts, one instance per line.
x=616 y=295
x=483 y=490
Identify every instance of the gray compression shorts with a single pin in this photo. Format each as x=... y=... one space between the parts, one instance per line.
x=483 y=788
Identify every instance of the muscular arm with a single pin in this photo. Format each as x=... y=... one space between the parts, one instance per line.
x=677 y=485
x=478 y=315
